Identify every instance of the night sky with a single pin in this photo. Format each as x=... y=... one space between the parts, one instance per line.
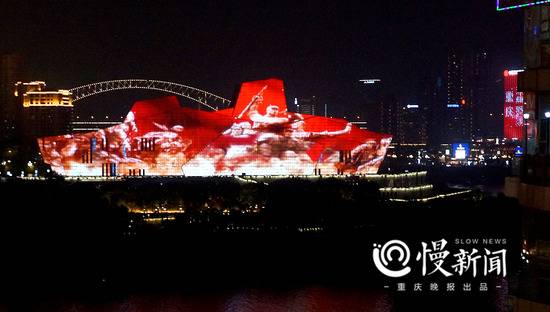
x=318 y=48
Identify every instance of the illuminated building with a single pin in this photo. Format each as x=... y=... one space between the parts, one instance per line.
x=457 y=113
x=34 y=86
x=432 y=96
x=404 y=119
x=513 y=106
x=532 y=186
x=390 y=109
x=412 y=127
x=257 y=136
x=361 y=124
x=61 y=98
x=93 y=124
x=375 y=109
x=485 y=109
x=306 y=105
x=43 y=112
x=463 y=105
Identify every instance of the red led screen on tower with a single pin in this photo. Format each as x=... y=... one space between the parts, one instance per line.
x=513 y=106
x=258 y=136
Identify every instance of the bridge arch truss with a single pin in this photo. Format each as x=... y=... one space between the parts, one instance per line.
x=202 y=97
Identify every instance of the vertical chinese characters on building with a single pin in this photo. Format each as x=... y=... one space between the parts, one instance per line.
x=513 y=106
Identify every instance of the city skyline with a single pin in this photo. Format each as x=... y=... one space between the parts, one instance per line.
x=320 y=50
x=267 y=156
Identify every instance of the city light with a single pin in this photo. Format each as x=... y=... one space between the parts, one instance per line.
x=369 y=81
x=512 y=72
x=260 y=137
x=513 y=106
x=449 y=156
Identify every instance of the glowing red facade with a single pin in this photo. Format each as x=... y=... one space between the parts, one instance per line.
x=258 y=136
x=513 y=106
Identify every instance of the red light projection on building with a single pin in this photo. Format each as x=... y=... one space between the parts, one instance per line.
x=513 y=106
x=258 y=136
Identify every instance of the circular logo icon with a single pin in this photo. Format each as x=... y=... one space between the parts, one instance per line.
x=383 y=256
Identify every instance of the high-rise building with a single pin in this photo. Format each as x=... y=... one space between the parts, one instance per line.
x=44 y=113
x=471 y=108
x=481 y=96
x=307 y=105
x=411 y=125
x=513 y=106
x=458 y=111
x=373 y=106
x=432 y=99
x=534 y=82
x=390 y=109
x=11 y=71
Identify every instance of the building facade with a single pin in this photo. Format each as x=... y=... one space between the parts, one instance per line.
x=43 y=112
x=411 y=125
x=513 y=106
x=258 y=136
x=457 y=115
x=307 y=106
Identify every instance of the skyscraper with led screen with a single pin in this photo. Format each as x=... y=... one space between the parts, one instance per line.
x=513 y=106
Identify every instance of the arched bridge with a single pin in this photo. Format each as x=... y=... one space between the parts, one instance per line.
x=200 y=96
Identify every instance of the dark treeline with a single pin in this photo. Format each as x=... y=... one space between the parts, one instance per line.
x=72 y=239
